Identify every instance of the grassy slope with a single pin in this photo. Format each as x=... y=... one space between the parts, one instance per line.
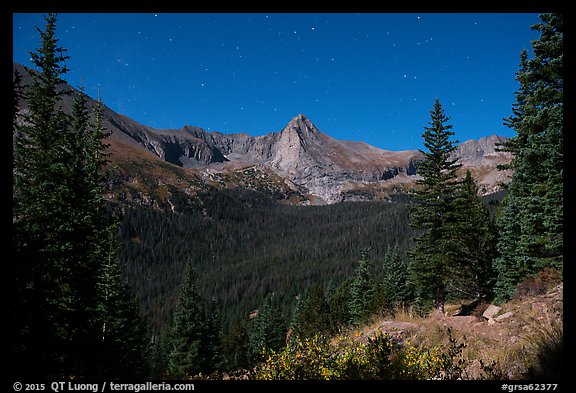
x=512 y=348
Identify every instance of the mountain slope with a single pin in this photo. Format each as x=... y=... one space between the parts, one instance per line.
x=298 y=164
x=299 y=153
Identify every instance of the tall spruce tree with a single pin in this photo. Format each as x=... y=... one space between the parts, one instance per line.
x=195 y=344
x=122 y=335
x=122 y=345
x=430 y=261
x=212 y=347
x=474 y=239
x=531 y=220
x=43 y=241
x=61 y=227
x=186 y=336
x=361 y=291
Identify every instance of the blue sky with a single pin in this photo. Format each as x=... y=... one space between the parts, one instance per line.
x=369 y=77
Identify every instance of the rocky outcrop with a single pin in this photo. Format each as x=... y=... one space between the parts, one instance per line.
x=326 y=166
x=482 y=157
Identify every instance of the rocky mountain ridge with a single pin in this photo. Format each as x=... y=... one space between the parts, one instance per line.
x=311 y=163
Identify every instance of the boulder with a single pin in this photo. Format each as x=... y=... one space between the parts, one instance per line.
x=491 y=311
x=504 y=316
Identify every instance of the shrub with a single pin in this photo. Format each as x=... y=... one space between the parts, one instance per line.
x=308 y=358
x=354 y=359
x=538 y=284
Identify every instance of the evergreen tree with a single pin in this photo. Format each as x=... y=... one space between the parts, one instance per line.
x=531 y=221
x=312 y=315
x=474 y=238
x=122 y=346
x=235 y=345
x=267 y=331
x=212 y=343
x=43 y=241
x=61 y=232
x=17 y=96
x=339 y=300
x=186 y=336
x=361 y=291
x=195 y=344
x=160 y=352
x=433 y=255
x=93 y=228
x=394 y=286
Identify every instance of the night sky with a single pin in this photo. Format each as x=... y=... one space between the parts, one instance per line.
x=366 y=77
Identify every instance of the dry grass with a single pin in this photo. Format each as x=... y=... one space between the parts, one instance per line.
x=527 y=345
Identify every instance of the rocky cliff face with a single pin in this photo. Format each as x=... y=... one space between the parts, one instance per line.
x=481 y=158
x=326 y=166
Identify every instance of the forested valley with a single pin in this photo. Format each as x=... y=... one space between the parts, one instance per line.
x=244 y=246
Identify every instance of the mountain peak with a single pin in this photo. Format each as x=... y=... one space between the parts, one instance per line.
x=301 y=125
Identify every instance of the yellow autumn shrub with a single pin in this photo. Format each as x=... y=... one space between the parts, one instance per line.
x=376 y=358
